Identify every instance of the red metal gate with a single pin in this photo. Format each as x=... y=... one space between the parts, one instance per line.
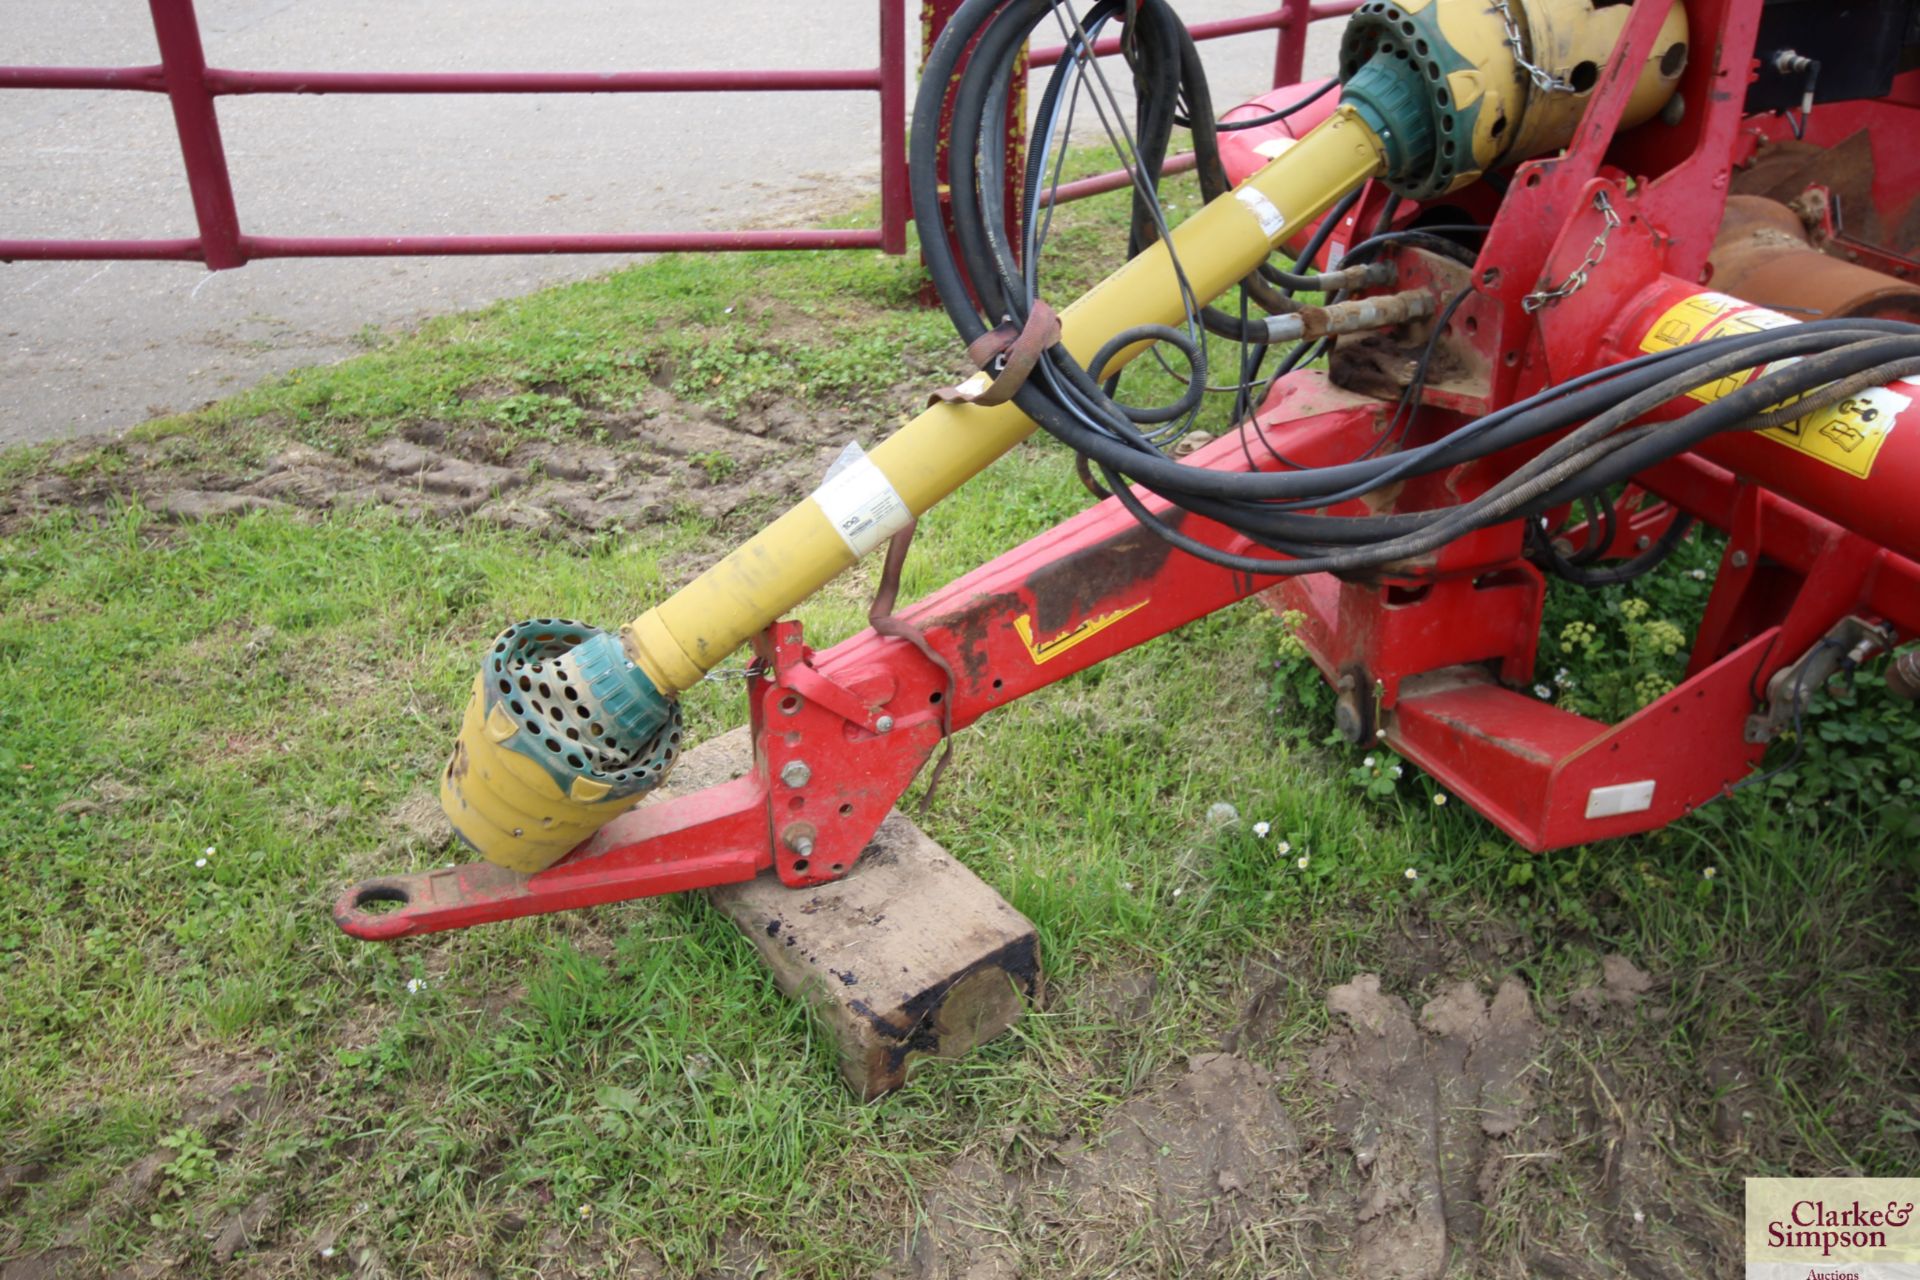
x=192 y=87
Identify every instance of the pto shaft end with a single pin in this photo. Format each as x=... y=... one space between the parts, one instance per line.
x=562 y=734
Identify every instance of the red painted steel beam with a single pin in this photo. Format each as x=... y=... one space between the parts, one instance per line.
x=147 y=79
x=181 y=250
x=1111 y=181
x=223 y=81
x=895 y=202
x=178 y=33
x=252 y=247
x=642 y=242
x=1272 y=20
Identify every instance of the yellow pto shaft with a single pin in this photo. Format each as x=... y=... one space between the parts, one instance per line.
x=681 y=639
x=569 y=726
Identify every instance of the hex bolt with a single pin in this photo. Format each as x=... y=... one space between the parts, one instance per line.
x=801 y=844
x=1739 y=559
x=883 y=725
x=1642 y=542
x=795 y=773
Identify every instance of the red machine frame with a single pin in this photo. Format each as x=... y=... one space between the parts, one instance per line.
x=1431 y=656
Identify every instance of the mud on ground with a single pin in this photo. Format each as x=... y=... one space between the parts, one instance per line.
x=1441 y=1126
x=660 y=460
x=1457 y=1130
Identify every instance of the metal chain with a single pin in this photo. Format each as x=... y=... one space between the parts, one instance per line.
x=1543 y=79
x=1595 y=252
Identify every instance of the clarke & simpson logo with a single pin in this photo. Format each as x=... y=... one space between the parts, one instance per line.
x=1833 y=1229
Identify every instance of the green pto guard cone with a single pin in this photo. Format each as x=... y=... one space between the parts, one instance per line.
x=562 y=734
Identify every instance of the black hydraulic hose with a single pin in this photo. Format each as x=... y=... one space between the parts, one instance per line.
x=1536 y=485
x=1584 y=574
x=1593 y=417
x=1274 y=117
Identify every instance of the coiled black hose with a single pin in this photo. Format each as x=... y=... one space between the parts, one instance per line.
x=1603 y=442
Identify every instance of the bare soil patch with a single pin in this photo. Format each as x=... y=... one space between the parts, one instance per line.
x=660 y=460
x=1465 y=1134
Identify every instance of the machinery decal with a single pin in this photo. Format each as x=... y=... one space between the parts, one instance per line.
x=1044 y=650
x=1847 y=435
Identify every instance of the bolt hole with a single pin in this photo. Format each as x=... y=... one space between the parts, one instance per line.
x=1499 y=127
x=838 y=868
x=1510 y=359
x=800 y=866
x=936 y=696
x=1533 y=179
x=1473 y=324
x=797 y=803
x=846 y=811
x=999 y=684
x=379 y=899
x=1674 y=60
x=1490 y=277
x=789 y=704
x=1584 y=77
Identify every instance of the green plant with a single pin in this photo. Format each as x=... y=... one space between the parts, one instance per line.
x=539 y=415
x=1858 y=749
x=717 y=464
x=193 y=1162
x=1617 y=660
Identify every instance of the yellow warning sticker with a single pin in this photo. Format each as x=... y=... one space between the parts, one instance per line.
x=1846 y=435
x=1045 y=650
x=1688 y=319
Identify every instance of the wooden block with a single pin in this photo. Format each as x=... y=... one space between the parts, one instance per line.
x=909 y=956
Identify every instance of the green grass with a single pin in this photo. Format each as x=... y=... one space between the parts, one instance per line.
x=207 y=729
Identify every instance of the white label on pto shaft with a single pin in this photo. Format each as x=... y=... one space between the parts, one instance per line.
x=1272 y=221
x=860 y=502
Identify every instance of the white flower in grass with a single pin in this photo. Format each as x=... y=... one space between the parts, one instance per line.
x=1412 y=873
x=1439 y=797
x=1397 y=771
x=1301 y=862
x=1178 y=892
x=327 y=1252
x=1261 y=828
x=1285 y=847
x=1698 y=575
x=416 y=985
x=1369 y=762
x=1543 y=691
x=1708 y=873
x=199 y=862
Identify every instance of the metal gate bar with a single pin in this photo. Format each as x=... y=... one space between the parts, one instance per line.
x=192 y=86
x=1291 y=21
